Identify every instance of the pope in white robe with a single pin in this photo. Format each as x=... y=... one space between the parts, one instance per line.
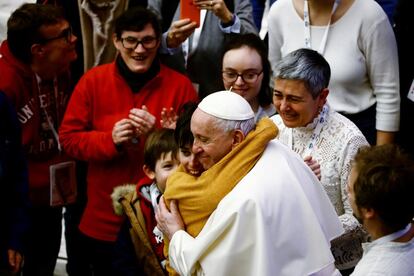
x=277 y=220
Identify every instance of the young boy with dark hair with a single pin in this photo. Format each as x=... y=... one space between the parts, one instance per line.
x=139 y=246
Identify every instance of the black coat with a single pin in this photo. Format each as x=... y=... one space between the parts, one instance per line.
x=14 y=199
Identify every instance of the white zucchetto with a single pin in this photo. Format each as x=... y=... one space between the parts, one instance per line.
x=226 y=105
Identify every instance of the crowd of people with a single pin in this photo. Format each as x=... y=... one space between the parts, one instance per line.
x=174 y=147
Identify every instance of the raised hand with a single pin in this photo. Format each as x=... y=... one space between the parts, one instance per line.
x=168 y=118
x=218 y=7
x=179 y=31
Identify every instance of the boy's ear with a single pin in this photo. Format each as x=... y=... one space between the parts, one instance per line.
x=368 y=213
x=148 y=172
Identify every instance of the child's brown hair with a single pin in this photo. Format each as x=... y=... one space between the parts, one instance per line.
x=159 y=143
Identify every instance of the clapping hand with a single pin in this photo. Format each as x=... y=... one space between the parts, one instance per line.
x=122 y=131
x=141 y=120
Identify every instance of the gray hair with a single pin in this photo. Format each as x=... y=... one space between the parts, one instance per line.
x=244 y=126
x=306 y=65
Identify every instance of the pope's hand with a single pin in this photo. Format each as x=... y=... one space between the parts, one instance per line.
x=313 y=165
x=169 y=222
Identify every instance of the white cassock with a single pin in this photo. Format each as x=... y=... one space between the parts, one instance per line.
x=276 y=221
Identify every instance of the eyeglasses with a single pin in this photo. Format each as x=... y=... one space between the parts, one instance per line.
x=66 y=34
x=248 y=76
x=131 y=43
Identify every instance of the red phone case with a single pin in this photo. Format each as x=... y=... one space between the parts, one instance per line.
x=189 y=10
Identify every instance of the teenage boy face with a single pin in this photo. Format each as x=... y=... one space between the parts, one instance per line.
x=164 y=167
x=59 y=46
x=138 y=57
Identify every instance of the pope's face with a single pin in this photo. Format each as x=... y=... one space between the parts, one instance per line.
x=211 y=144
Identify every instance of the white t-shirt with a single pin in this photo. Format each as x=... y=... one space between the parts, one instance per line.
x=389 y=258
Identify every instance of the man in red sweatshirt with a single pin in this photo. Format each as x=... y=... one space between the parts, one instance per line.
x=112 y=109
x=34 y=64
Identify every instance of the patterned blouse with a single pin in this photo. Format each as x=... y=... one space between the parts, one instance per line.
x=334 y=148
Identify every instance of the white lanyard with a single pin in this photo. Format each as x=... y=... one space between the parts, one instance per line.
x=315 y=134
x=306 y=20
x=52 y=128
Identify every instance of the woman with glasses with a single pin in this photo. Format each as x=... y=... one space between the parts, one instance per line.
x=246 y=71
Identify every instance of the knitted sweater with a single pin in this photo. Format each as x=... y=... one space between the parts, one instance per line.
x=102 y=98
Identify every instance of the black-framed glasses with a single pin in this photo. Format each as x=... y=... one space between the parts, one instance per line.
x=131 y=43
x=66 y=34
x=248 y=76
